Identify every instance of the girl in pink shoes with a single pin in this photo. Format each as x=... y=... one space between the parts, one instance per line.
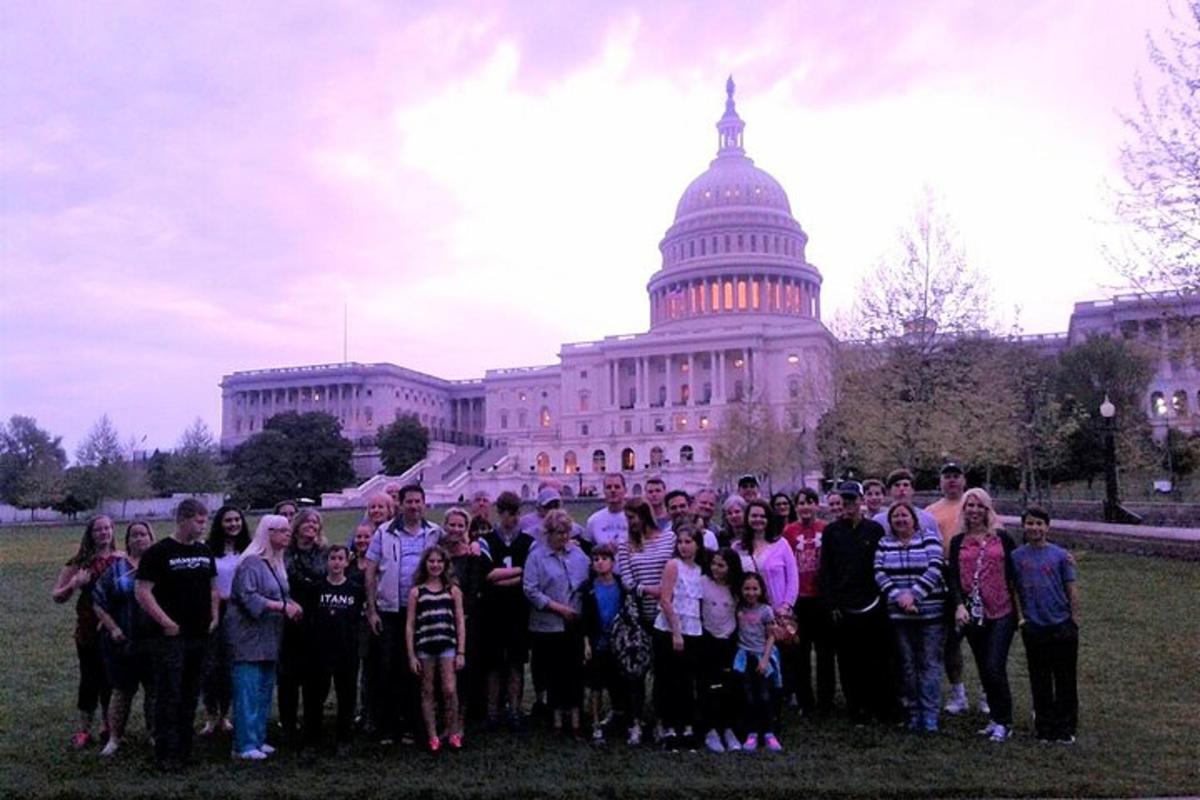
x=437 y=643
x=757 y=660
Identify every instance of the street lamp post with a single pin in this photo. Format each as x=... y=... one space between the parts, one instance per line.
x=1112 y=502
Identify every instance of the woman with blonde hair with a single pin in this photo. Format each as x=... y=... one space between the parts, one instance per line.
x=307 y=560
x=260 y=603
x=982 y=588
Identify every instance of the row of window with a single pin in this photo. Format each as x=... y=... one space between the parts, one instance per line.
x=544 y=419
x=1178 y=404
x=735 y=243
x=628 y=460
x=734 y=295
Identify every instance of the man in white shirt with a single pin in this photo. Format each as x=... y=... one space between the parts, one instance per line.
x=608 y=525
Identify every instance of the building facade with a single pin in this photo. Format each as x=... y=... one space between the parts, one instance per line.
x=735 y=314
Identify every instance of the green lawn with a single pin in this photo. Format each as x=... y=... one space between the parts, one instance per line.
x=1139 y=732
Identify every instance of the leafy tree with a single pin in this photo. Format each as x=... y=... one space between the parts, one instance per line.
x=402 y=444
x=104 y=472
x=294 y=455
x=102 y=445
x=1088 y=372
x=1159 y=201
x=193 y=468
x=1180 y=453
x=751 y=441
x=31 y=464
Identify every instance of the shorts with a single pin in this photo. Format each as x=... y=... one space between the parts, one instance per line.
x=126 y=664
x=448 y=653
x=505 y=640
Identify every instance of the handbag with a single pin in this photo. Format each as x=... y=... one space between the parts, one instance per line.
x=631 y=645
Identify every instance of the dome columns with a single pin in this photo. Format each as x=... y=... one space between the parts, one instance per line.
x=734 y=292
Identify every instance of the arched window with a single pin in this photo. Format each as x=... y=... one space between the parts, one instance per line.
x=636 y=491
x=544 y=417
x=543 y=463
x=656 y=457
x=1179 y=403
x=598 y=461
x=1158 y=405
x=584 y=400
x=685 y=393
x=522 y=418
x=793 y=388
x=686 y=454
x=628 y=460
x=524 y=491
x=662 y=396
x=570 y=463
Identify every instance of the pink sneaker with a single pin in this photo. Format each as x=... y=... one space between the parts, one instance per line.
x=81 y=739
x=435 y=744
x=751 y=743
x=455 y=741
x=772 y=743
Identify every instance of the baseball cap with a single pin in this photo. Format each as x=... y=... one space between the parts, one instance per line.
x=850 y=489
x=547 y=496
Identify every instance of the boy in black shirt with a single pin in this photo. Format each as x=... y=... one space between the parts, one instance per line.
x=176 y=587
x=505 y=611
x=332 y=612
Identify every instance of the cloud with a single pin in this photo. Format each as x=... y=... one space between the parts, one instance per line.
x=187 y=191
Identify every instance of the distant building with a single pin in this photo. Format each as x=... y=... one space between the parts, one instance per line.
x=735 y=312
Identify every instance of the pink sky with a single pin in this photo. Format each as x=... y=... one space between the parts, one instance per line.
x=186 y=190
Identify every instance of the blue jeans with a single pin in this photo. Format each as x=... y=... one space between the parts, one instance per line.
x=253 y=683
x=919 y=645
x=989 y=643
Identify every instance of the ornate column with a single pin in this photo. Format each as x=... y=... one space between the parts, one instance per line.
x=691 y=373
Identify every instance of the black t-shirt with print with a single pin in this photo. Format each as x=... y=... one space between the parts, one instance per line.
x=182 y=575
x=332 y=615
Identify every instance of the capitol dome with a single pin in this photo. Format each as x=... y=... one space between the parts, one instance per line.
x=732 y=180
x=734 y=247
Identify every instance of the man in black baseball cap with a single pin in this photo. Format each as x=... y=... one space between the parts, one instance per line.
x=748 y=487
x=860 y=626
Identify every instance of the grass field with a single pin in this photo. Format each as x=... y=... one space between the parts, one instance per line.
x=1139 y=729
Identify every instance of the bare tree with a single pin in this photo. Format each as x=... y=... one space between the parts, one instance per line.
x=926 y=286
x=1159 y=201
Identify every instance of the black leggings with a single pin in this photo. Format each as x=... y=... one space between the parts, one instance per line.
x=94 y=688
x=718 y=686
x=675 y=679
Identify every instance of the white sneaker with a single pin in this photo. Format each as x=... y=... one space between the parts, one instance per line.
x=250 y=755
x=983 y=706
x=732 y=744
x=1000 y=733
x=266 y=749
x=635 y=735
x=712 y=741
x=987 y=730
x=957 y=703
x=110 y=749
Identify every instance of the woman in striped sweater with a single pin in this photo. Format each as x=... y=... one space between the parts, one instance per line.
x=908 y=569
x=641 y=559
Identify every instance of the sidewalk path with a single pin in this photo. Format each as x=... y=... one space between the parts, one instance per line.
x=1110 y=529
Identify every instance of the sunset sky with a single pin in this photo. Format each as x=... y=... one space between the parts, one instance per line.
x=192 y=189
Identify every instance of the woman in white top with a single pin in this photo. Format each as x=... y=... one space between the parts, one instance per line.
x=227 y=538
x=677 y=631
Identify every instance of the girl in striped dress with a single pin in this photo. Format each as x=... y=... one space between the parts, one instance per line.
x=437 y=645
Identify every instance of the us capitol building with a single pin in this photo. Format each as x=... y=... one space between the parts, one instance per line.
x=735 y=313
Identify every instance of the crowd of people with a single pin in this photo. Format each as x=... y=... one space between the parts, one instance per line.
x=421 y=629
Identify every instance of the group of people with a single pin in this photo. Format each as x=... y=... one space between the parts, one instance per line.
x=419 y=628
